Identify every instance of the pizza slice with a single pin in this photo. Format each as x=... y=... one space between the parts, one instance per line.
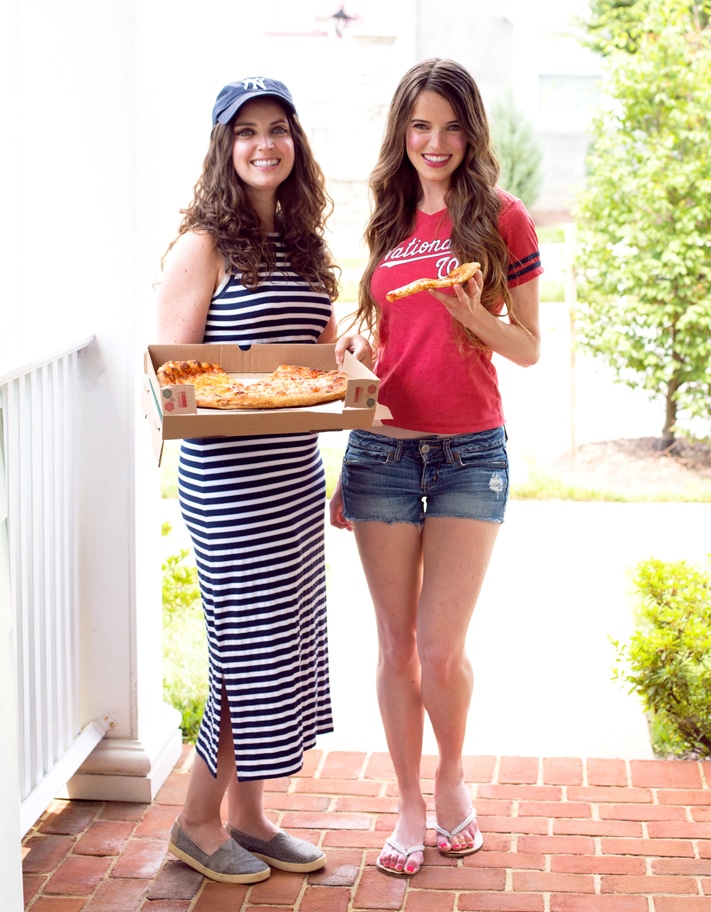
x=458 y=276
x=289 y=386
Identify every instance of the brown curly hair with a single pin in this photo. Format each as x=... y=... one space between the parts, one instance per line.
x=472 y=199
x=221 y=207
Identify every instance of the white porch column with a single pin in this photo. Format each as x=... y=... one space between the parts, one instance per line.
x=121 y=589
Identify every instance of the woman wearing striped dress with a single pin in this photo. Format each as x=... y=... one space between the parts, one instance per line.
x=250 y=266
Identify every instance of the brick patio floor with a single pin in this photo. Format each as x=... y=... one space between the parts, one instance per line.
x=561 y=835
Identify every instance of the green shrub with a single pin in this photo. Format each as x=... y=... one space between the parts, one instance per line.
x=668 y=659
x=185 y=676
x=517 y=149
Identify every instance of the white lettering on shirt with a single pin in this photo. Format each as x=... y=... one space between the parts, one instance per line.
x=417 y=250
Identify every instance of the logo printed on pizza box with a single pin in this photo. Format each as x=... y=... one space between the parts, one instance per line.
x=366 y=393
x=174 y=400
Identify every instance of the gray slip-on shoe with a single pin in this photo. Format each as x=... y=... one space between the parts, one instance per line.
x=229 y=864
x=287 y=853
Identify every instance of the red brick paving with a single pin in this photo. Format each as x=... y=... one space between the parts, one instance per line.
x=561 y=835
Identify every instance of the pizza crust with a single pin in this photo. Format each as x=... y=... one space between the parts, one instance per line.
x=289 y=386
x=458 y=276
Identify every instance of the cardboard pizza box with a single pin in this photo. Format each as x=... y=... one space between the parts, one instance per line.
x=171 y=411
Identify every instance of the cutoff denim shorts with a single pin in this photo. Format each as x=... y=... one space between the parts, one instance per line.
x=406 y=481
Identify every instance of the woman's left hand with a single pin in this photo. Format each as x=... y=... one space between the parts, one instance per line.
x=465 y=304
x=357 y=345
x=518 y=340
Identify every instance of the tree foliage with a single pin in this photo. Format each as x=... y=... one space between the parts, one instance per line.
x=645 y=213
x=517 y=151
x=621 y=24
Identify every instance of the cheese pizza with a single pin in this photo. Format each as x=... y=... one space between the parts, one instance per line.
x=289 y=386
x=458 y=276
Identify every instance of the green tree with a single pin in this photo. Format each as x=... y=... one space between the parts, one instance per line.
x=620 y=24
x=517 y=150
x=615 y=25
x=645 y=215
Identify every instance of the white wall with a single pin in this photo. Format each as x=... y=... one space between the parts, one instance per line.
x=70 y=150
x=476 y=33
x=10 y=858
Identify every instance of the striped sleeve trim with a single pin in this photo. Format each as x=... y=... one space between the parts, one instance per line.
x=522 y=267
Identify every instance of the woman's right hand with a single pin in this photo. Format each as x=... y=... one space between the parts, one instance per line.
x=358 y=346
x=335 y=509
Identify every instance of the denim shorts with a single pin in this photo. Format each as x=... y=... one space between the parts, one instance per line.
x=405 y=481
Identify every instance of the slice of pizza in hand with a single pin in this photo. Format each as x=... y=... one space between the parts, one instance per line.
x=458 y=276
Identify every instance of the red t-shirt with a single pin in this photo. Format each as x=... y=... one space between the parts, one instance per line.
x=426 y=382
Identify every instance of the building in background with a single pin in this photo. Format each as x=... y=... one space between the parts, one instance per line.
x=350 y=57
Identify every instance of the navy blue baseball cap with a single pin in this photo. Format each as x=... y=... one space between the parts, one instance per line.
x=234 y=95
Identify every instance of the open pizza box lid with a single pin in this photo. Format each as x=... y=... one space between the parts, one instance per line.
x=172 y=414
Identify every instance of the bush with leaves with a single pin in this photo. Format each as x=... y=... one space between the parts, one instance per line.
x=621 y=24
x=185 y=674
x=645 y=215
x=668 y=659
x=517 y=151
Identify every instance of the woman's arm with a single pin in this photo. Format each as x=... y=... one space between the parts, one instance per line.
x=329 y=333
x=192 y=271
x=356 y=344
x=335 y=508
x=520 y=344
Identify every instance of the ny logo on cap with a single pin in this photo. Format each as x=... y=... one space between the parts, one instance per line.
x=253 y=82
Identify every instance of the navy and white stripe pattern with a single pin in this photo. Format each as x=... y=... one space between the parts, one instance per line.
x=285 y=309
x=254 y=507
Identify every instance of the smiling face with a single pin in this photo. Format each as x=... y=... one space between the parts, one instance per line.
x=263 y=146
x=435 y=142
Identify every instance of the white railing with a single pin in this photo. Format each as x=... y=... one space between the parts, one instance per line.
x=39 y=403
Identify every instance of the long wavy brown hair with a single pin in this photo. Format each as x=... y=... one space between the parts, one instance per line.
x=221 y=207
x=472 y=200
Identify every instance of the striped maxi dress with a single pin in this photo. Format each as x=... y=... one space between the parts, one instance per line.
x=254 y=508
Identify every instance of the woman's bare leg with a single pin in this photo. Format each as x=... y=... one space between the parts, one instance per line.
x=201 y=817
x=456 y=557
x=392 y=561
x=246 y=809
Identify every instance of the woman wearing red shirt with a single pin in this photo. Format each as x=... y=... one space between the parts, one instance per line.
x=426 y=493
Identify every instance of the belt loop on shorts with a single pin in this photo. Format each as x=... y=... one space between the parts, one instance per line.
x=447 y=449
x=397 y=456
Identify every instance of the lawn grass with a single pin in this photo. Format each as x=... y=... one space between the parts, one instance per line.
x=540 y=486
